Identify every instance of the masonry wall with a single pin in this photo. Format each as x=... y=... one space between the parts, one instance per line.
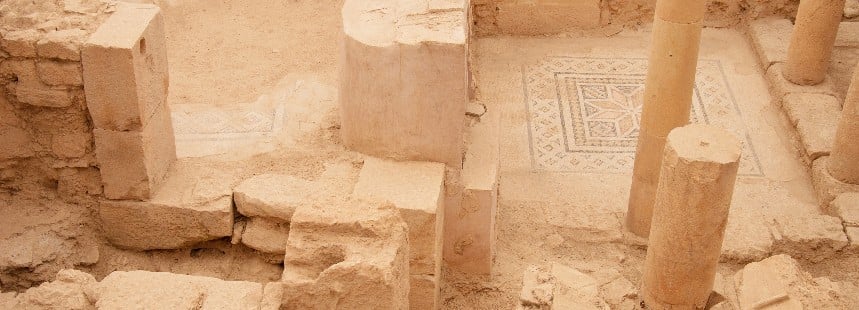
x=45 y=131
x=535 y=17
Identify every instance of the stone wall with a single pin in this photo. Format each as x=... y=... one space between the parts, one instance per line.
x=45 y=127
x=535 y=17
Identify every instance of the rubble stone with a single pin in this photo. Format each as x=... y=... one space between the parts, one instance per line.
x=62 y=44
x=57 y=73
x=21 y=43
x=575 y=290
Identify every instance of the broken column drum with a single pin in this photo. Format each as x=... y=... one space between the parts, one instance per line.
x=812 y=41
x=667 y=99
x=844 y=158
x=696 y=184
x=404 y=82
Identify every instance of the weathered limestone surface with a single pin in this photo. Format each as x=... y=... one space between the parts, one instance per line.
x=470 y=228
x=812 y=238
x=812 y=40
x=780 y=87
x=537 y=289
x=424 y=292
x=845 y=151
x=194 y=205
x=125 y=64
x=846 y=207
x=826 y=186
x=667 y=100
x=537 y=17
x=67 y=291
x=160 y=290
x=770 y=37
x=345 y=247
x=575 y=290
x=134 y=164
x=265 y=235
x=815 y=117
x=416 y=189
x=125 y=70
x=779 y=283
x=273 y=195
x=418 y=49
x=690 y=215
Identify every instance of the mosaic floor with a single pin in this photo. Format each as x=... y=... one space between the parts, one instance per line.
x=584 y=113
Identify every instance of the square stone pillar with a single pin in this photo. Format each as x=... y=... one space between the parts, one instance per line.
x=125 y=82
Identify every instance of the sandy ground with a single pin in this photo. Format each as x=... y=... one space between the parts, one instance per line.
x=229 y=51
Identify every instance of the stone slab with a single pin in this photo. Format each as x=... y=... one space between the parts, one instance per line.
x=815 y=117
x=417 y=190
x=846 y=207
x=161 y=290
x=194 y=205
x=770 y=38
x=809 y=237
x=273 y=195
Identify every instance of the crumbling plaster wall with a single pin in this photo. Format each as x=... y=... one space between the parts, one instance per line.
x=537 y=17
x=45 y=128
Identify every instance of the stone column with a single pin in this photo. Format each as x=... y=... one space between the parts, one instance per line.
x=667 y=99
x=844 y=157
x=696 y=184
x=812 y=40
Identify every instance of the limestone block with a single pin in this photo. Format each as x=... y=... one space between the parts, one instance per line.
x=760 y=285
x=780 y=87
x=133 y=163
x=72 y=182
x=417 y=190
x=770 y=37
x=265 y=235
x=273 y=195
x=747 y=238
x=470 y=246
x=161 y=290
x=20 y=43
x=542 y=17
x=347 y=255
x=57 y=73
x=424 y=292
x=66 y=292
x=825 y=185
x=813 y=238
x=846 y=207
x=417 y=51
x=62 y=44
x=575 y=290
x=125 y=69
x=816 y=118
x=194 y=205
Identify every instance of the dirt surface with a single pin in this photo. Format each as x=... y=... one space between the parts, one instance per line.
x=227 y=52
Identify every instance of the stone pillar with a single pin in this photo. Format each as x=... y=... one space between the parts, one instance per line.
x=667 y=99
x=125 y=81
x=695 y=187
x=812 y=40
x=844 y=157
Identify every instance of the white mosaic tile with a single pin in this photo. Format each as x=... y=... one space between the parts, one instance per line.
x=584 y=113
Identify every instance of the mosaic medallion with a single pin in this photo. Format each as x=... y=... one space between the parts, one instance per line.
x=584 y=113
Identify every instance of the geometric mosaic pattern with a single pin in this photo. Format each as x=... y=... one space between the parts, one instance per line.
x=202 y=122
x=584 y=113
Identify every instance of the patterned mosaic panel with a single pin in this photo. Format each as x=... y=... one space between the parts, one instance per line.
x=207 y=122
x=584 y=113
